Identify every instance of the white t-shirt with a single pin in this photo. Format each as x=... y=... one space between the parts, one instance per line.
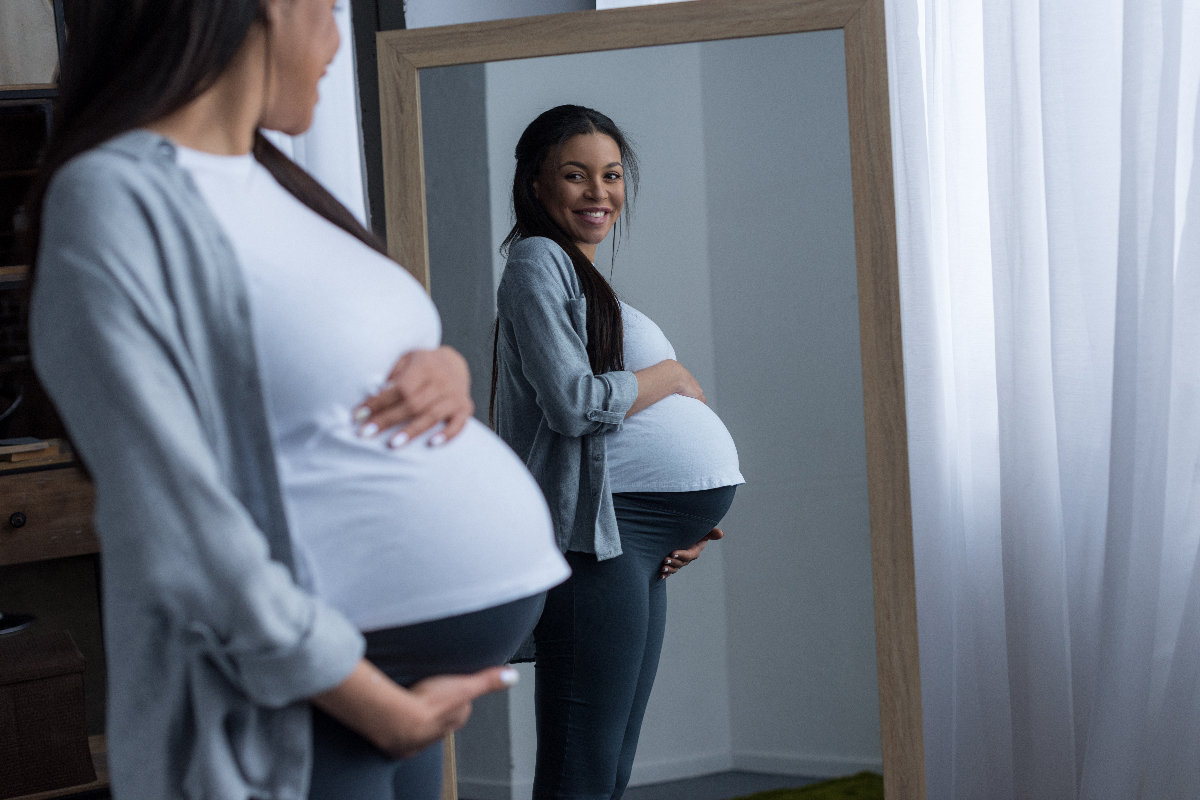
x=390 y=536
x=678 y=444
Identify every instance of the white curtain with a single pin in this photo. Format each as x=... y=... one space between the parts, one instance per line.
x=1048 y=205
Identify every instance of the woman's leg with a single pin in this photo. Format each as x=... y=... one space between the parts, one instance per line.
x=659 y=523
x=344 y=764
x=347 y=766
x=590 y=642
x=656 y=625
x=598 y=644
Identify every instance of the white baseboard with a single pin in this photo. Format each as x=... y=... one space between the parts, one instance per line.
x=675 y=769
x=812 y=766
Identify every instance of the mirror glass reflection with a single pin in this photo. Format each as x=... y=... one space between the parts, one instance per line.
x=741 y=248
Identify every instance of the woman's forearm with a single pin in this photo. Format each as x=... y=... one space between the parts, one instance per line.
x=663 y=379
x=368 y=702
x=402 y=722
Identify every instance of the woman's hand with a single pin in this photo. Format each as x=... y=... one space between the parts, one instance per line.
x=424 y=388
x=664 y=378
x=402 y=722
x=681 y=558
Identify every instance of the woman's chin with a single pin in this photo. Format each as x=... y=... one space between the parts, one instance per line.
x=591 y=238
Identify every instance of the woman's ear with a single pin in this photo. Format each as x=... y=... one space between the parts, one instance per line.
x=535 y=189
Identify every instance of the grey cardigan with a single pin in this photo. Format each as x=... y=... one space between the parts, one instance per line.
x=550 y=408
x=140 y=332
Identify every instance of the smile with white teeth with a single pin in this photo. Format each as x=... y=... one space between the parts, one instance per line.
x=594 y=214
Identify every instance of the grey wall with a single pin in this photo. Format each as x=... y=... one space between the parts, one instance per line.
x=426 y=13
x=785 y=319
x=742 y=249
x=454 y=129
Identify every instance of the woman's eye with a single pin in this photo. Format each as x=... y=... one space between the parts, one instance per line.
x=612 y=176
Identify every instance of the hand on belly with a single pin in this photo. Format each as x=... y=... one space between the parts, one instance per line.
x=424 y=388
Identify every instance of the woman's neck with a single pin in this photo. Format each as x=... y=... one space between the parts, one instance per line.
x=223 y=119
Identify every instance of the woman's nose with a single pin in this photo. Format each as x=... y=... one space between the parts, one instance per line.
x=596 y=190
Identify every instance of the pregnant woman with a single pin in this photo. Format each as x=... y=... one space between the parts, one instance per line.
x=636 y=468
x=282 y=453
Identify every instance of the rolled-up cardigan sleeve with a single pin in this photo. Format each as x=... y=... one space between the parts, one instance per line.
x=109 y=347
x=548 y=325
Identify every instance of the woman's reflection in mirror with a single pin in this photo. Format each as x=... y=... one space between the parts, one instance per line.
x=636 y=468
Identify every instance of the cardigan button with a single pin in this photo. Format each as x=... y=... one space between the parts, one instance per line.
x=17 y=520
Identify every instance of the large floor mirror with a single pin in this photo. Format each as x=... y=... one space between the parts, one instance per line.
x=762 y=242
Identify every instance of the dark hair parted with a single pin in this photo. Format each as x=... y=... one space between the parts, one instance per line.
x=541 y=141
x=130 y=62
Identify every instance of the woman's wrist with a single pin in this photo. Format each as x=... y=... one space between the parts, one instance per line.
x=368 y=702
x=683 y=378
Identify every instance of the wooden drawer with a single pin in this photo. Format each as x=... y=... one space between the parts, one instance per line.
x=57 y=506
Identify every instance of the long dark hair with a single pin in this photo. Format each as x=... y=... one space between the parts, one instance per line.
x=542 y=139
x=130 y=62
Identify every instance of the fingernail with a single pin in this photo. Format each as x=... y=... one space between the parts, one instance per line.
x=398 y=440
x=361 y=413
x=510 y=677
x=437 y=439
x=664 y=569
x=368 y=430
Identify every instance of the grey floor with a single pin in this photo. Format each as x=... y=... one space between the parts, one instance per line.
x=720 y=786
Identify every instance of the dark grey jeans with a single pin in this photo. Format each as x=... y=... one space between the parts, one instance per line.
x=598 y=644
x=347 y=766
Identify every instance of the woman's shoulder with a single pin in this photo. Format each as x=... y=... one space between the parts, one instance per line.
x=539 y=262
x=129 y=160
x=535 y=252
x=113 y=185
x=536 y=245
x=114 y=209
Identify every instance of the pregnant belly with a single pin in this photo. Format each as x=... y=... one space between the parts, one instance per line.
x=393 y=537
x=676 y=445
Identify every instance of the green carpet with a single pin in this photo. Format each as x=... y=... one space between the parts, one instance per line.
x=863 y=786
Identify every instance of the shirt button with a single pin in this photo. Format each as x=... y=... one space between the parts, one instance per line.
x=596 y=457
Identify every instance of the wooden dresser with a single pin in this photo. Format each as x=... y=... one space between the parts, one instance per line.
x=45 y=511
x=46 y=543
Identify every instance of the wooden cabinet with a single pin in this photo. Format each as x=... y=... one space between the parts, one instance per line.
x=46 y=538
x=44 y=514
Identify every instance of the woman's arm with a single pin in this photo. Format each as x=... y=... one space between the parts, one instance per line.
x=134 y=374
x=546 y=325
x=400 y=721
x=662 y=380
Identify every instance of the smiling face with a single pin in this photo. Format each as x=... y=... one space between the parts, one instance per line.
x=302 y=38
x=582 y=188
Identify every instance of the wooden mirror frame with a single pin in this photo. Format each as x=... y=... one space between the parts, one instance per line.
x=401 y=54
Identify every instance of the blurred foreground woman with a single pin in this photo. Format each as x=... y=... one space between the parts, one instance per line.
x=287 y=473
